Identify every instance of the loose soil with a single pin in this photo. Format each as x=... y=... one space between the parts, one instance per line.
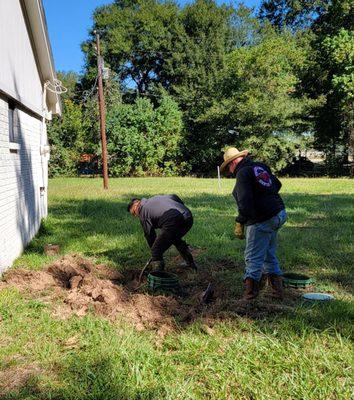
x=74 y=285
x=16 y=377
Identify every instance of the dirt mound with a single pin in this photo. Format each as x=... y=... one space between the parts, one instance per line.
x=74 y=285
x=29 y=280
x=82 y=286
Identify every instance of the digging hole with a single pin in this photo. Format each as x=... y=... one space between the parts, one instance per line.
x=68 y=276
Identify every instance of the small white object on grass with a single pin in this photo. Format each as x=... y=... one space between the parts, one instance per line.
x=318 y=296
x=219 y=178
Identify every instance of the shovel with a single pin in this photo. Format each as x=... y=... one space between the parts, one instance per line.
x=208 y=294
x=143 y=270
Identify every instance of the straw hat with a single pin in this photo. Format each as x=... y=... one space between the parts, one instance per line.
x=231 y=154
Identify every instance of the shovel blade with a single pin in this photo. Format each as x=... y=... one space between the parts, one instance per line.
x=208 y=294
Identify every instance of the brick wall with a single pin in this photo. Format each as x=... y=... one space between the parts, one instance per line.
x=22 y=174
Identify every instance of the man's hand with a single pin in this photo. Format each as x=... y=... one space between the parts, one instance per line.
x=239 y=231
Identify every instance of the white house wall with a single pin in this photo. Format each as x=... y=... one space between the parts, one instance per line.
x=21 y=176
x=19 y=76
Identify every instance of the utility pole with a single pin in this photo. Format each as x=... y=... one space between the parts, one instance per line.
x=102 y=113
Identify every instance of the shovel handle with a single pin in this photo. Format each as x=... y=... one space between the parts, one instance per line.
x=143 y=270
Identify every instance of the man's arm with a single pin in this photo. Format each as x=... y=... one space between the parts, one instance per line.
x=276 y=182
x=149 y=232
x=243 y=194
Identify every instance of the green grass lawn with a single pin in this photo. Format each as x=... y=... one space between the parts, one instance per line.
x=306 y=353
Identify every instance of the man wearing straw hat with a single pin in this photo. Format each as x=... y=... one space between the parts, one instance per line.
x=261 y=212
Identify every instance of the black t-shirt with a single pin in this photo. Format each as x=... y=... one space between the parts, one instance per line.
x=159 y=210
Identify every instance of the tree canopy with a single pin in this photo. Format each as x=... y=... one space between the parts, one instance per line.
x=187 y=81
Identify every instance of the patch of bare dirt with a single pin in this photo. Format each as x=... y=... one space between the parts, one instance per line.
x=29 y=280
x=14 y=378
x=74 y=285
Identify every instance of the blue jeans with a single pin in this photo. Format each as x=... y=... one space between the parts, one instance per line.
x=261 y=246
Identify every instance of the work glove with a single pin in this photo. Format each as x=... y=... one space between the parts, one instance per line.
x=158 y=265
x=154 y=265
x=239 y=231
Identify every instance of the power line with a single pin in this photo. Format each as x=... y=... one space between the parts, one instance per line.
x=88 y=93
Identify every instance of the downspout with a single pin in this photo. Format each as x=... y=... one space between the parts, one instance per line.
x=44 y=148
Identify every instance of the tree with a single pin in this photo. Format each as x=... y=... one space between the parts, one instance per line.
x=144 y=140
x=259 y=97
x=275 y=151
x=210 y=37
x=292 y=13
x=66 y=137
x=91 y=116
x=66 y=134
x=329 y=73
x=137 y=37
x=70 y=81
x=340 y=50
x=152 y=45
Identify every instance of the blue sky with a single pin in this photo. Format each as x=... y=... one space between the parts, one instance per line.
x=68 y=25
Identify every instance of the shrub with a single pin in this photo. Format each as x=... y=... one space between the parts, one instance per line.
x=143 y=140
x=66 y=137
x=275 y=151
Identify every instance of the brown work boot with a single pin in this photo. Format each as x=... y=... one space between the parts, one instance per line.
x=263 y=281
x=251 y=289
x=276 y=283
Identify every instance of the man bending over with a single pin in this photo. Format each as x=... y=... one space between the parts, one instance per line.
x=173 y=219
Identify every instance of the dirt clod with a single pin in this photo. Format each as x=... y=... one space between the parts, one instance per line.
x=51 y=249
x=75 y=281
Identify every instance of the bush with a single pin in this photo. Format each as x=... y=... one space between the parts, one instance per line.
x=66 y=137
x=275 y=151
x=334 y=165
x=143 y=140
x=62 y=161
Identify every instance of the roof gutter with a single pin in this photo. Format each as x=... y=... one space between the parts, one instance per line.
x=36 y=17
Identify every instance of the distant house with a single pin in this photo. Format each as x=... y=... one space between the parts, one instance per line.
x=26 y=70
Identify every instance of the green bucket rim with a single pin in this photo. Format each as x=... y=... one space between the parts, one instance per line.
x=162 y=275
x=161 y=280
x=296 y=279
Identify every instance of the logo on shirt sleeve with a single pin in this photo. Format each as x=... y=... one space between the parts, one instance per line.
x=262 y=176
